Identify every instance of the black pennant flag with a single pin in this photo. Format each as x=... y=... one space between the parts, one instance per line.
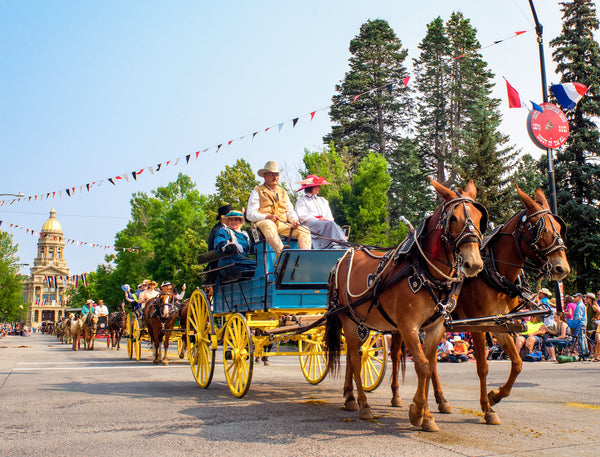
x=389 y=88
x=294 y=122
x=134 y=174
x=110 y=180
x=68 y=192
x=187 y=158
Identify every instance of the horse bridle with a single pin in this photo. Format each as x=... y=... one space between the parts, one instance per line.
x=469 y=232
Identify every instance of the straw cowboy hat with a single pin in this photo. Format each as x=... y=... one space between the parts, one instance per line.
x=152 y=283
x=270 y=167
x=313 y=181
x=546 y=292
x=456 y=338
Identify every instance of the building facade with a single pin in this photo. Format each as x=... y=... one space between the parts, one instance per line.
x=44 y=289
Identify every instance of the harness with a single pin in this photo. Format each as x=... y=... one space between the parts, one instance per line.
x=530 y=233
x=444 y=292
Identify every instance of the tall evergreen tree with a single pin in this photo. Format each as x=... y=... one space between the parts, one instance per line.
x=577 y=164
x=11 y=288
x=373 y=121
x=487 y=161
x=432 y=70
x=410 y=194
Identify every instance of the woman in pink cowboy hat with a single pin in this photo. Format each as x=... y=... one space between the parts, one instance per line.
x=314 y=212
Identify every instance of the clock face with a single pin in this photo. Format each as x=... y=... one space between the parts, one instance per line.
x=550 y=129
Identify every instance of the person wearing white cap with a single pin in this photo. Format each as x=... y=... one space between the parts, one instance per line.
x=544 y=296
x=269 y=208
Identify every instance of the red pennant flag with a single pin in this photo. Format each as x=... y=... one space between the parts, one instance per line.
x=356 y=98
x=405 y=81
x=312 y=115
x=197 y=154
x=520 y=32
x=229 y=143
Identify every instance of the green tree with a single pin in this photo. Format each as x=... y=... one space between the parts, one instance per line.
x=11 y=288
x=577 y=57
x=410 y=193
x=487 y=161
x=336 y=168
x=169 y=230
x=234 y=185
x=432 y=70
x=529 y=176
x=367 y=199
x=374 y=121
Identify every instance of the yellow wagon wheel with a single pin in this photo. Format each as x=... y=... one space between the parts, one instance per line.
x=200 y=339
x=373 y=361
x=135 y=338
x=313 y=361
x=238 y=355
x=129 y=337
x=180 y=348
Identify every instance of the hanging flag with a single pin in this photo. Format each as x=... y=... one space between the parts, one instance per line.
x=312 y=115
x=187 y=158
x=405 y=81
x=516 y=101
x=294 y=121
x=568 y=94
x=84 y=279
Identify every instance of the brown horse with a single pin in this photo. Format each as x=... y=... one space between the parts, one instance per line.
x=160 y=315
x=76 y=329
x=533 y=235
x=117 y=322
x=90 y=324
x=411 y=286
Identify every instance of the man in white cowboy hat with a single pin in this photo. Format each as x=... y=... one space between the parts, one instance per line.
x=269 y=208
x=544 y=296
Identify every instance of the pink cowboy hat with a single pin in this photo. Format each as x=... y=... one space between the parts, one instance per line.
x=312 y=181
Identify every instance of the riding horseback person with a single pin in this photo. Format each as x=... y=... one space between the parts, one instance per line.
x=270 y=210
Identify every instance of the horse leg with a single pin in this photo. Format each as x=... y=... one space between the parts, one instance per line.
x=353 y=347
x=350 y=403
x=418 y=413
x=516 y=365
x=443 y=404
x=396 y=352
x=482 y=371
x=166 y=345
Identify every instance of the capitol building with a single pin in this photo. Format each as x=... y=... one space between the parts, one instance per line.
x=44 y=289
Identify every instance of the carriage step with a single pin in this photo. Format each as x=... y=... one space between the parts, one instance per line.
x=509 y=328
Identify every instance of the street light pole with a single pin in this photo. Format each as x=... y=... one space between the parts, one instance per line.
x=539 y=30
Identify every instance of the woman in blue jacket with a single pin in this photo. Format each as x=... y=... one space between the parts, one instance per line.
x=232 y=240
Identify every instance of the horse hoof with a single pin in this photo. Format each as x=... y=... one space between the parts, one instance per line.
x=366 y=413
x=444 y=407
x=493 y=397
x=165 y=363
x=155 y=362
x=397 y=401
x=416 y=417
x=351 y=405
x=492 y=418
x=429 y=425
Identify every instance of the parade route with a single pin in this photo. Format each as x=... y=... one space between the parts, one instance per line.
x=59 y=402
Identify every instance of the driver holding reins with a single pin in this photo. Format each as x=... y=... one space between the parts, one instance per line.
x=269 y=208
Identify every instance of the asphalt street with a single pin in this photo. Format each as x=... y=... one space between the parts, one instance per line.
x=56 y=402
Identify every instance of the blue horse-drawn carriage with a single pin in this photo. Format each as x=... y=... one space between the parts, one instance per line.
x=265 y=315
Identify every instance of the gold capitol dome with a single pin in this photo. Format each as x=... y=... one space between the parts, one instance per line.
x=52 y=225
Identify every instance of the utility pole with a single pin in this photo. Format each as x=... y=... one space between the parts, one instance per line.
x=539 y=30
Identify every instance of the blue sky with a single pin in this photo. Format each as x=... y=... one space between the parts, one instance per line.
x=91 y=90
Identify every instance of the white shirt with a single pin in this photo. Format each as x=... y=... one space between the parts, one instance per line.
x=253 y=215
x=101 y=310
x=309 y=206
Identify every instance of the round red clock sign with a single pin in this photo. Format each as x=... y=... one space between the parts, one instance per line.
x=550 y=129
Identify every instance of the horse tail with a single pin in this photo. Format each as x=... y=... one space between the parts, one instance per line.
x=333 y=338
